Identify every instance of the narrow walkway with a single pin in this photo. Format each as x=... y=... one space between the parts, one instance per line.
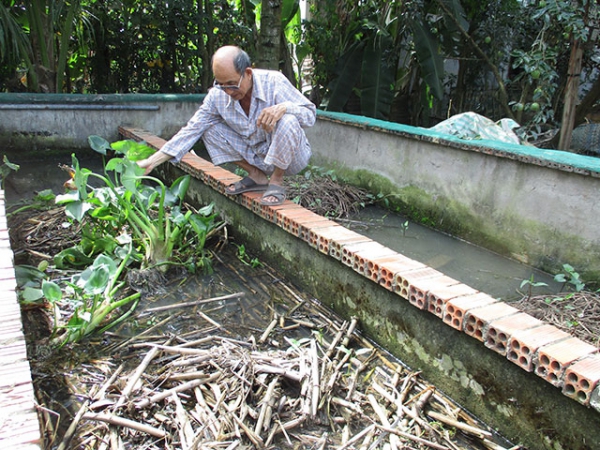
x=560 y=359
x=19 y=426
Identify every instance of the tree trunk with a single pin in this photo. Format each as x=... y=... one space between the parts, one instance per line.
x=270 y=35
x=571 y=95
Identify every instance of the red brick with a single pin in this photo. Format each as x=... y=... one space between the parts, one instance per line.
x=456 y=309
x=420 y=282
x=477 y=321
x=500 y=331
x=581 y=378
x=523 y=345
x=269 y=212
x=553 y=359
x=412 y=284
x=289 y=213
x=365 y=258
x=307 y=227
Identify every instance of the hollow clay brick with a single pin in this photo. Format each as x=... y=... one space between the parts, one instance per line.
x=477 y=320
x=321 y=238
x=523 y=345
x=306 y=228
x=390 y=272
x=337 y=245
x=349 y=251
x=415 y=284
x=581 y=378
x=500 y=331
x=553 y=359
x=456 y=309
x=438 y=296
x=366 y=256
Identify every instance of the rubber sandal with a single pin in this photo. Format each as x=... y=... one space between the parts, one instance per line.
x=276 y=191
x=246 y=184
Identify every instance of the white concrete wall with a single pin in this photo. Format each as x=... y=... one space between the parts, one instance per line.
x=538 y=206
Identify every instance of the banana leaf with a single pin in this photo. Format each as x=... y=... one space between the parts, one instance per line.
x=377 y=81
x=429 y=59
x=348 y=70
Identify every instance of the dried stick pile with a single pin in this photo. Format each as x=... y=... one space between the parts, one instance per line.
x=221 y=393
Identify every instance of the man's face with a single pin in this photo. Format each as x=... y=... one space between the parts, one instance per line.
x=234 y=84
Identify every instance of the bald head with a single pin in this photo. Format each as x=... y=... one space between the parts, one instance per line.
x=230 y=57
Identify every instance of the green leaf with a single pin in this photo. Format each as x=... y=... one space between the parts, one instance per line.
x=377 y=81
x=45 y=195
x=98 y=144
x=69 y=197
x=76 y=210
x=11 y=166
x=52 y=291
x=348 y=71
x=97 y=280
x=133 y=151
x=30 y=294
x=177 y=190
x=28 y=275
x=71 y=257
x=429 y=58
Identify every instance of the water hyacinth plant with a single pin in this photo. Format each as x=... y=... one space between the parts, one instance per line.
x=130 y=222
x=152 y=215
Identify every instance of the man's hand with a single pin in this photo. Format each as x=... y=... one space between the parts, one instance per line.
x=268 y=117
x=150 y=163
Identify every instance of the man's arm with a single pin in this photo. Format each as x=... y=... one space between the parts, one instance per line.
x=155 y=160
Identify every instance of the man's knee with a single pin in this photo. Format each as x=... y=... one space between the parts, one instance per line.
x=289 y=122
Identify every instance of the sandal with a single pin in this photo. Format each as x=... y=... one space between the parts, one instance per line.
x=276 y=191
x=246 y=184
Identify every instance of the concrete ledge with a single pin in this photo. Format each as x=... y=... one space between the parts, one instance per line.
x=503 y=365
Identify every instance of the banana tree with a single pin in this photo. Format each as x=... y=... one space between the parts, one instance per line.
x=369 y=65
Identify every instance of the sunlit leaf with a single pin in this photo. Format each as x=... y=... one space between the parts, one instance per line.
x=52 y=291
x=71 y=196
x=76 y=210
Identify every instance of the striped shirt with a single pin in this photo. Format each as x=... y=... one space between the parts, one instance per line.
x=269 y=88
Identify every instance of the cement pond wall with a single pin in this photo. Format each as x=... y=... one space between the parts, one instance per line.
x=537 y=206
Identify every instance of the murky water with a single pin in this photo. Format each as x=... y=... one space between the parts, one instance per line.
x=481 y=269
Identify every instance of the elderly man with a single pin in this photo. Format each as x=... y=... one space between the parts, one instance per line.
x=253 y=118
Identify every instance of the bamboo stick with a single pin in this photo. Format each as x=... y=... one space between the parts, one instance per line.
x=181 y=388
x=414 y=438
x=460 y=425
x=264 y=416
x=73 y=426
x=127 y=423
x=268 y=330
x=316 y=388
x=195 y=302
